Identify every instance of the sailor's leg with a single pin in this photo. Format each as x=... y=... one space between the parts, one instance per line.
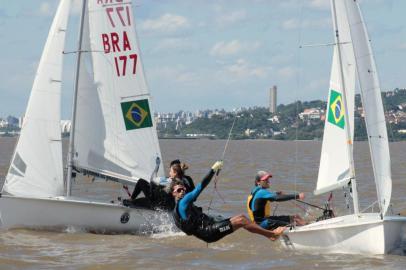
x=142 y=185
x=242 y=221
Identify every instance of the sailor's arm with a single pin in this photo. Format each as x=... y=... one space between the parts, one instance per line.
x=279 y=197
x=192 y=196
x=206 y=180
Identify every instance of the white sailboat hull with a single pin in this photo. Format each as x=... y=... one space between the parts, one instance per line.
x=363 y=233
x=63 y=213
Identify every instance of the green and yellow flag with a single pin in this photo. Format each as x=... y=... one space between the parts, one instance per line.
x=136 y=114
x=336 y=109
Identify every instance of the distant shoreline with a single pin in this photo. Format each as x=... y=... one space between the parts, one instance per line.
x=215 y=139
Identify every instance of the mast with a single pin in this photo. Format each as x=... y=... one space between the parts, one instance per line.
x=346 y=117
x=75 y=96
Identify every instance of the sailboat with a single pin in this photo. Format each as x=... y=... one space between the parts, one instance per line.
x=358 y=232
x=113 y=136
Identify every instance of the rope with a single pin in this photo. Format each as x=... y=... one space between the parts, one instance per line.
x=215 y=189
x=228 y=139
x=304 y=209
x=218 y=193
x=312 y=205
x=298 y=83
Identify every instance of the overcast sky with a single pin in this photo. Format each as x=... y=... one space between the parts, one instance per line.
x=210 y=53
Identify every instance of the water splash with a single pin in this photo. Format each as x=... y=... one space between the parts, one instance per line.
x=164 y=225
x=73 y=229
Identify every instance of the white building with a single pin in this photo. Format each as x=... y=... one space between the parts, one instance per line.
x=311 y=114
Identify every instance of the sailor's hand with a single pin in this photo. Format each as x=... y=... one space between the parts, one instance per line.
x=217 y=166
x=301 y=196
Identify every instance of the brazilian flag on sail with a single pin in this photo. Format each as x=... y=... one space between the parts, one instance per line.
x=336 y=109
x=136 y=114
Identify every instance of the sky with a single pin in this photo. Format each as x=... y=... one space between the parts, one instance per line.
x=208 y=54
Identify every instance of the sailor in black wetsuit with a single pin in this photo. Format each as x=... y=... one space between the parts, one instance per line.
x=157 y=194
x=192 y=221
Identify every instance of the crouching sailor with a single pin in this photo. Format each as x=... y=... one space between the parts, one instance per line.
x=258 y=204
x=192 y=221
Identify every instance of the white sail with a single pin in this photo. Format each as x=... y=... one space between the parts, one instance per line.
x=115 y=134
x=335 y=163
x=36 y=168
x=372 y=104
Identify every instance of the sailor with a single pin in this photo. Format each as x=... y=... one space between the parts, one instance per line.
x=177 y=170
x=156 y=192
x=259 y=208
x=192 y=221
x=155 y=196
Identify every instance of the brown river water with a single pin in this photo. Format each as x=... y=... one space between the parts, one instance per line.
x=294 y=166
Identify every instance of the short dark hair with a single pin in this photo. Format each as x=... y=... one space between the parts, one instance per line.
x=175 y=161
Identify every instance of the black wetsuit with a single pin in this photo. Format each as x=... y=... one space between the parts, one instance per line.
x=192 y=221
x=155 y=196
x=188 y=182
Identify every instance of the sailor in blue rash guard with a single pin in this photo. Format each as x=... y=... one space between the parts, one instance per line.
x=192 y=221
x=259 y=208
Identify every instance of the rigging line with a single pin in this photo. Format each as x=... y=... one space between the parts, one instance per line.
x=304 y=209
x=298 y=83
x=309 y=204
x=323 y=44
x=274 y=210
x=81 y=51
x=214 y=189
x=229 y=136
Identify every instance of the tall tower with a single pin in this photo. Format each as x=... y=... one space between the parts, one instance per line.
x=272 y=99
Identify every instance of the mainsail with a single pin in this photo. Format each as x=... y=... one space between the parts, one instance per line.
x=372 y=103
x=115 y=135
x=335 y=163
x=36 y=167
